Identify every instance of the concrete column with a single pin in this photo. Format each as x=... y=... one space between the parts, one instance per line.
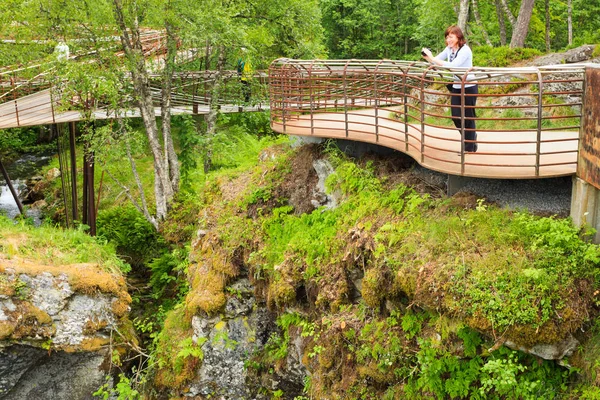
x=454 y=184
x=585 y=206
x=585 y=197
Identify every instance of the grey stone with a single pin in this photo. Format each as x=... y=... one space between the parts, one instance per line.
x=231 y=339
x=320 y=197
x=230 y=342
x=6 y=305
x=553 y=351
x=29 y=373
x=81 y=310
x=48 y=293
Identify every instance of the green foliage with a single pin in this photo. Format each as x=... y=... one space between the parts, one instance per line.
x=412 y=323
x=189 y=140
x=123 y=390
x=168 y=277
x=505 y=374
x=277 y=345
x=53 y=246
x=504 y=56
x=378 y=343
x=134 y=237
x=18 y=140
x=369 y=29
x=188 y=348
x=253 y=123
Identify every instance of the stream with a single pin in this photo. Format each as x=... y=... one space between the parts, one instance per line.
x=27 y=166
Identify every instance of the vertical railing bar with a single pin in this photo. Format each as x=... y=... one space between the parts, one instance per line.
x=311 y=94
x=283 y=95
x=422 y=97
x=376 y=97
x=538 y=146
x=462 y=123
x=345 y=86
x=12 y=81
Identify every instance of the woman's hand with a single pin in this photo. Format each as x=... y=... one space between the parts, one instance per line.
x=426 y=53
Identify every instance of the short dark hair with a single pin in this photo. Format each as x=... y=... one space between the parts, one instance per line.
x=456 y=31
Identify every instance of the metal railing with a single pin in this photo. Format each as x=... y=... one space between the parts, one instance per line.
x=527 y=118
x=37 y=100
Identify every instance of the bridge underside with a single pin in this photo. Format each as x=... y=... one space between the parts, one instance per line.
x=502 y=155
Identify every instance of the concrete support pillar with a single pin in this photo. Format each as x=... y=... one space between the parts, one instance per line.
x=454 y=184
x=585 y=206
x=585 y=197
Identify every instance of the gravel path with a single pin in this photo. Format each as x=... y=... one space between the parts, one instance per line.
x=550 y=196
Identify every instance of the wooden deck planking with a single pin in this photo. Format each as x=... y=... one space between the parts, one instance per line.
x=498 y=155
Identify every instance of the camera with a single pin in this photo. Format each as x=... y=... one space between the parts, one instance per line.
x=423 y=51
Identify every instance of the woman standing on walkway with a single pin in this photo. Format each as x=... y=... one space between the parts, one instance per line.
x=458 y=54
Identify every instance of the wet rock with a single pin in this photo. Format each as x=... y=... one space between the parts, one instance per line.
x=52 y=174
x=31 y=373
x=39 y=204
x=55 y=329
x=554 y=351
x=320 y=197
x=229 y=340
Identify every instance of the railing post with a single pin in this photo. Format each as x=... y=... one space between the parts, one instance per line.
x=345 y=86
x=282 y=79
x=14 y=90
x=462 y=127
x=538 y=142
x=310 y=88
x=376 y=97
x=422 y=98
x=72 y=131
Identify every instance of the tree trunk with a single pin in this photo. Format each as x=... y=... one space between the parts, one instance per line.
x=547 y=5
x=211 y=118
x=480 y=24
x=520 y=29
x=171 y=161
x=132 y=47
x=509 y=14
x=463 y=15
x=501 y=23
x=570 y=20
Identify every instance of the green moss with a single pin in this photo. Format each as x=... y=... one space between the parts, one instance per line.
x=177 y=356
x=441 y=267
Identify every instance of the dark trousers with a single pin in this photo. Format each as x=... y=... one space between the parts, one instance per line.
x=246 y=90
x=470 y=100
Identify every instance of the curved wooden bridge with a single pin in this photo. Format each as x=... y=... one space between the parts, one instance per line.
x=528 y=119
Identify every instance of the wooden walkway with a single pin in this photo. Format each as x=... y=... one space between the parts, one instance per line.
x=38 y=109
x=438 y=149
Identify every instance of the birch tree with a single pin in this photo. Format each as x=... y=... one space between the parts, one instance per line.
x=570 y=21
x=463 y=15
x=501 y=22
x=521 y=27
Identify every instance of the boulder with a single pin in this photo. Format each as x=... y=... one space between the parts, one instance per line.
x=56 y=328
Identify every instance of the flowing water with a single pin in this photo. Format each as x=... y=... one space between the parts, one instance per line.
x=25 y=167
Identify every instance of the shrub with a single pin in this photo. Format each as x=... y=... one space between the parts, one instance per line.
x=135 y=239
x=487 y=56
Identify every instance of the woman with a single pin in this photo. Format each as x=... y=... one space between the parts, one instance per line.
x=458 y=54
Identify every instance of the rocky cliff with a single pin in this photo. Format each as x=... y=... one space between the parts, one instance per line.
x=59 y=325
